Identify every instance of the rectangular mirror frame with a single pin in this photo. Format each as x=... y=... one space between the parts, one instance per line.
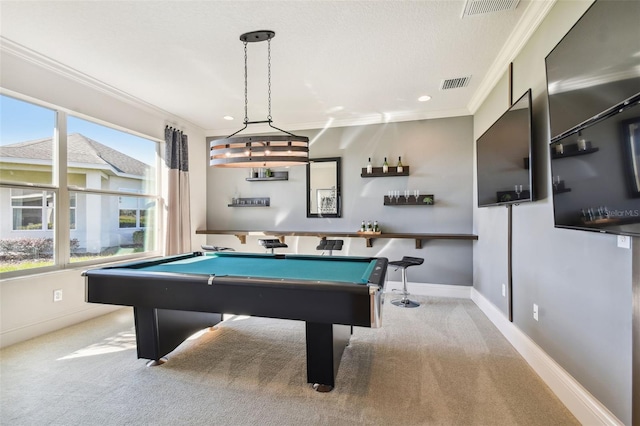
x=338 y=212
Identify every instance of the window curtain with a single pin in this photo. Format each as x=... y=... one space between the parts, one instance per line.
x=178 y=238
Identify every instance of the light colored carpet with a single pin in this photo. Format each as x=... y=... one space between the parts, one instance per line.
x=443 y=363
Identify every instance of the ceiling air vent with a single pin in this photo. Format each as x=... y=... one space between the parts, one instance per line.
x=478 y=7
x=455 y=83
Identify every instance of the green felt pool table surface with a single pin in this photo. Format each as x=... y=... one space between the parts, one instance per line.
x=314 y=268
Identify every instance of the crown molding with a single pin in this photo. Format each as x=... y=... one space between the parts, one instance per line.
x=524 y=29
x=10 y=47
x=330 y=122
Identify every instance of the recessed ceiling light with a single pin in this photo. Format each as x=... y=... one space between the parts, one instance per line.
x=228 y=117
x=424 y=98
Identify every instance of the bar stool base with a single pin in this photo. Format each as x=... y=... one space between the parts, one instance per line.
x=405 y=303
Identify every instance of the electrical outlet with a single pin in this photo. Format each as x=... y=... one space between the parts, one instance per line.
x=535 y=312
x=504 y=290
x=624 y=241
x=57 y=295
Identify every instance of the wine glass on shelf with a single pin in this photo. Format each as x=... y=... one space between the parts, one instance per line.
x=518 y=189
x=406 y=196
x=416 y=193
x=390 y=195
x=396 y=194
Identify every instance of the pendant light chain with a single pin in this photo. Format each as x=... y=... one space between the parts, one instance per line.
x=269 y=76
x=258 y=150
x=246 y=98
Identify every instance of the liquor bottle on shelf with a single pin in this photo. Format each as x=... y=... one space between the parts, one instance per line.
x=375 y=226
x=369 y=167
x=385 y=166
x=582 y=142
x=362 y=227
x=400 y=168
x=369 y=226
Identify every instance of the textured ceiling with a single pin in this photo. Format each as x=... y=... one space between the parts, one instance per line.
x=333 y=62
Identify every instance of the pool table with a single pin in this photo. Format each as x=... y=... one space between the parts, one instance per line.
x=175 y=296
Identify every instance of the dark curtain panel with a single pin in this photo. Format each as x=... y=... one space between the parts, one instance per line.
x=178 y=238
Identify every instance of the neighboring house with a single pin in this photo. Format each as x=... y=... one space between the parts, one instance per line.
x=98 y=221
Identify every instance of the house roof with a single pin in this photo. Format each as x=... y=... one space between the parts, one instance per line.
x=80 y=150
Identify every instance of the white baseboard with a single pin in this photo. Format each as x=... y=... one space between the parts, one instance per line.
x=584 y=406
x=20 y=334
x=439 y=290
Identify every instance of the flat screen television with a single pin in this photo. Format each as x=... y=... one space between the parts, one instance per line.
x=596 y=174
x=595 y=68
x=504 y=157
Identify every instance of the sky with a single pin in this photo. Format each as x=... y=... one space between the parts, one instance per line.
x=21 y=121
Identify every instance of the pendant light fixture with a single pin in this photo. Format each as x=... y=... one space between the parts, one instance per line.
x=259 y=150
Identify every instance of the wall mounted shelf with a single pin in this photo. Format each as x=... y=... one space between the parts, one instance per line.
x=602 y=221
x=369 y=238
x=572 y=151
x=506 y=196
x=561 y=190
x=422 y=200
x=377 y=172
x=251 y=202
x=274 y=176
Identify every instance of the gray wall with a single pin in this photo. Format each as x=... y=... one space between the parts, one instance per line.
x=581 y=281
x=439 y=154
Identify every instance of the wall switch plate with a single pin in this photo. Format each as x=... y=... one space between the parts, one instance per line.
x=535 y=312
x=57 y=295
x=504 y=290
x=624 y=241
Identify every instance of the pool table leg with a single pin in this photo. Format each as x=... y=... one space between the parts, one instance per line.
x=159 y=331
x=325 y=344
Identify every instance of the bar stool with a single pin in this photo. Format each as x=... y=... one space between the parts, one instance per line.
x=404 y=264
x=330 y=245
x=272 y=244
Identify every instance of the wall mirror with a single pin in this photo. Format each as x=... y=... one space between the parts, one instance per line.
x=323 y=187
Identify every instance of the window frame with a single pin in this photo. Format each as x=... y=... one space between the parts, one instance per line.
x=135 y=193
x=43 y=209
x=62 y=195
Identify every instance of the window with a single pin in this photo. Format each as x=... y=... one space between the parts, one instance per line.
x=133 y=211
x=100 y=233
x=32 y=210
x=102 y=220
x=26 y=142
x=107 y=167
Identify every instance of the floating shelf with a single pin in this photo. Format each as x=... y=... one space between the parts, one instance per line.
x=274 y=176
x=572 y=150
x=369 y=238
x=422 y=200
x=377 y=172
x=603 y=221
x=508 y=196
x=561 y=190
x=251 y=202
